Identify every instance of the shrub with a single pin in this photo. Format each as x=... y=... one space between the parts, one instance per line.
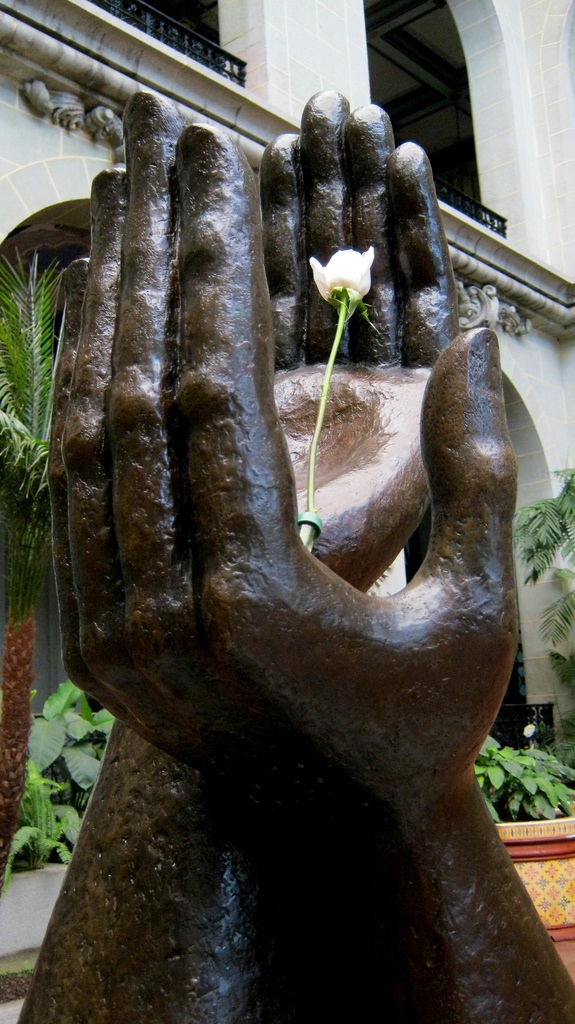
x=520 y=785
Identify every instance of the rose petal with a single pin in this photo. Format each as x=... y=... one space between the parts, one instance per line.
x=347 y=268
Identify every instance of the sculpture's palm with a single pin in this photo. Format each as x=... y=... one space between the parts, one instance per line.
x=340 y=185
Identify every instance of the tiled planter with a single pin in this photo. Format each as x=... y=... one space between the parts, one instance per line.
x=544 y=854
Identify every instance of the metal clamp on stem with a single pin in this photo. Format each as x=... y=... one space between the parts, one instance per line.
x=309 y=528
x=310 y=519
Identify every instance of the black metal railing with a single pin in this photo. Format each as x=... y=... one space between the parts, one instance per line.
x=180 y=38
x=465 y=204
x=512 y=719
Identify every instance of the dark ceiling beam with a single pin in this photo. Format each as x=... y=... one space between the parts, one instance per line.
x=414 y=106
x=391 y=14
x=419 y=55
x=410 y=67
x=455 y=88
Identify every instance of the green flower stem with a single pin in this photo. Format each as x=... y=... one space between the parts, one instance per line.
x=307 y=532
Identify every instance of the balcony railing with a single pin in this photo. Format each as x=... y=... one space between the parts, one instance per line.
x=512 y=719
x=470 y=207
x=180 y=38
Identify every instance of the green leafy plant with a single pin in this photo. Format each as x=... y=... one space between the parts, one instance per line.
x=544 y=534
x=523 y=785
x=28 y=311
x=563 y=746
x=43 y=826
x=69 y=743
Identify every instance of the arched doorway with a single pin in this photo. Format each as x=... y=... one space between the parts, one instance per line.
x=534 y=482
x=418 y=74
x=59 y=235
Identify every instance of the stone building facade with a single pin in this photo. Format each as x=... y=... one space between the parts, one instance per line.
x=68 y=68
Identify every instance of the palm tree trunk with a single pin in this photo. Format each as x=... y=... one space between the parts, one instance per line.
x=17 y=679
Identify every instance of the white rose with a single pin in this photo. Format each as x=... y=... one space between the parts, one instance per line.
x=346 y=269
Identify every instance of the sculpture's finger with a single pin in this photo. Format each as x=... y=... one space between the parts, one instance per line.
x=140 y=407
x=75 y=285
x=281 y=189
x=471 y=465
x=427 y=286
x=93 y=559
x=244 y=500
x=328 y=225
x=369 y=145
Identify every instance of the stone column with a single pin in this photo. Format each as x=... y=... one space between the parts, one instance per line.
x=295 y=48
x=521 y=67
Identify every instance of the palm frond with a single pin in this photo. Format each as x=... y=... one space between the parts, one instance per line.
x=568 y=725
x=567 y=496
x=28 y=309
x=18 y=446
x=539 y=536
x=566 y=504
x=568 y=549
x=558 y=619
x=565 y=576
x=564 y=666
x=545 y=529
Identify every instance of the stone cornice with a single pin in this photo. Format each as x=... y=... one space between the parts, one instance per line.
x=73 y=46
x=67 y=110
x=482 y=307
x=479 y=256
x=80 y=48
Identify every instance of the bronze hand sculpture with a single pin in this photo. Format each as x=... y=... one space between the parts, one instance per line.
x=326 y=854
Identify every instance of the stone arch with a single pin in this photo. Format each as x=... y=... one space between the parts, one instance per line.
x=569 y=45
x=533 y=474
x=532 y=367
x=520 y=64
x=43 y=184
x=497 y=78
x=560 y=90
x=563 y=28
x=59 y=233
x=534 y=482
x=553 y=87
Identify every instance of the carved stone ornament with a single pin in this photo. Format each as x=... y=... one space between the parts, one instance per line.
x=481 y=307
x=511 y=321
x=68 y=111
